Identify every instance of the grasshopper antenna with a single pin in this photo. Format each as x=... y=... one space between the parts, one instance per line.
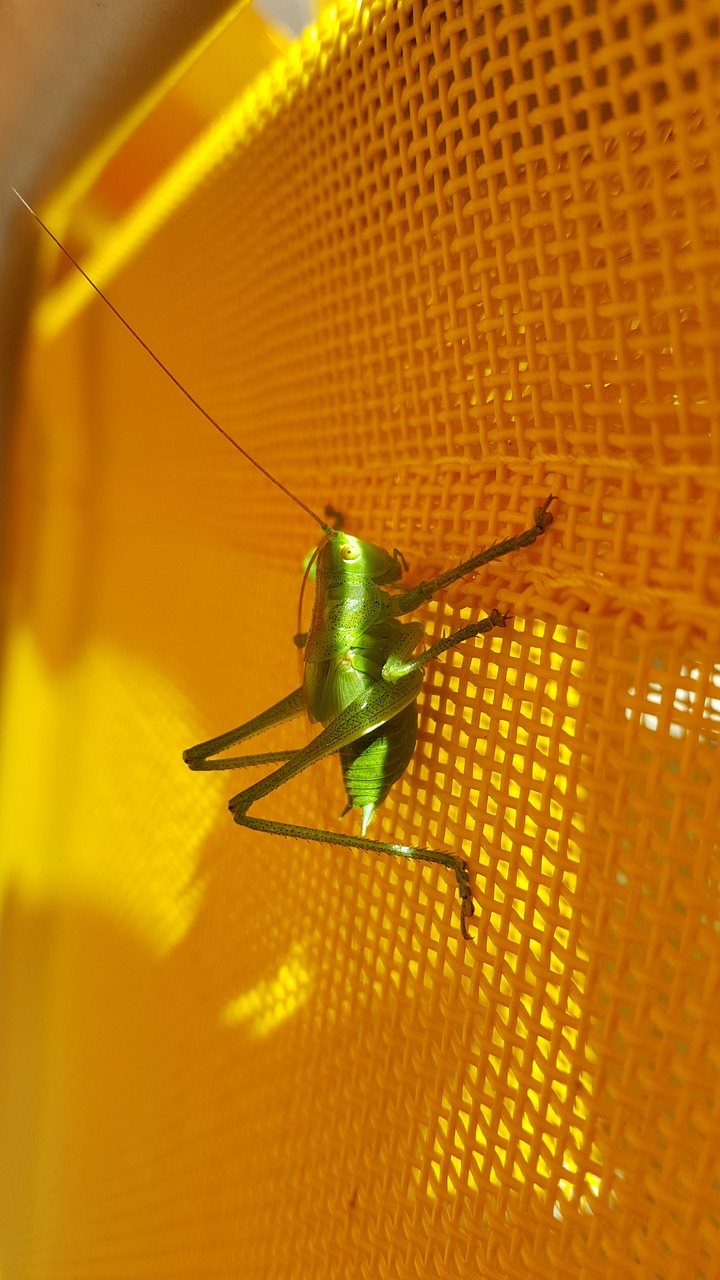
x=209 y=418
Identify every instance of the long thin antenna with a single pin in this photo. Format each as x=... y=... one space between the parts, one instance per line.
x=213 y=423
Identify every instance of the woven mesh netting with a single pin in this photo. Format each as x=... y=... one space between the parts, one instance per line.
x=441 y=261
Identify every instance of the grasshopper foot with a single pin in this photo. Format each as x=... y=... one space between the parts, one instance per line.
x=543 y=515
x=498 y=619
x=467 y=907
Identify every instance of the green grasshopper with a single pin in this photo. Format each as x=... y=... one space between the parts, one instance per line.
x=361 y=681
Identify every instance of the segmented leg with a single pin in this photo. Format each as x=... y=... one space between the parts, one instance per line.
x=383 y=703
x=424 y=591
x=288 y=708
x=378 y=706
x=449 y=860
x=395 y=668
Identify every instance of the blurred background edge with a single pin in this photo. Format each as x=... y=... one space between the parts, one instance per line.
x=77 y=80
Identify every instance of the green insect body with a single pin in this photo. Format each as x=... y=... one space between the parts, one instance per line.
x=361 y=680
x=352 y=636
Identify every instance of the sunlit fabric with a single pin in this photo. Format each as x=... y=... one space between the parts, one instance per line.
x=440 y=261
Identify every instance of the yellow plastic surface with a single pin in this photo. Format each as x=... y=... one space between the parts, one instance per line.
x=442 y=260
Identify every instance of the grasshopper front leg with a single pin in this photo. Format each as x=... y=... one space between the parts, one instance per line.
x=424 y=591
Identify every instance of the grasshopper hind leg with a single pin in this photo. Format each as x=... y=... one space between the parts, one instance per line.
x=381 y=703
x=392 y=698
x=449 y=860
x=467 y=906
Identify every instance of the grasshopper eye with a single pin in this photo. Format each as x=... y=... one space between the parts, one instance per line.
x=349 y=552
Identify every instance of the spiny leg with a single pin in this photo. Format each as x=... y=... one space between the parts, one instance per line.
x=345 y=728
x=376 y=707
x=401 y=684
x=399 y=665
x=449 y=860
x=424 y=591
x=395 y=668
x=198 y=757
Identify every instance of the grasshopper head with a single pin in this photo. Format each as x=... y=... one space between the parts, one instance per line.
x=355 y=558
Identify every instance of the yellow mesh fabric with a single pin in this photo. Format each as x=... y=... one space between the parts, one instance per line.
x=442 y=260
